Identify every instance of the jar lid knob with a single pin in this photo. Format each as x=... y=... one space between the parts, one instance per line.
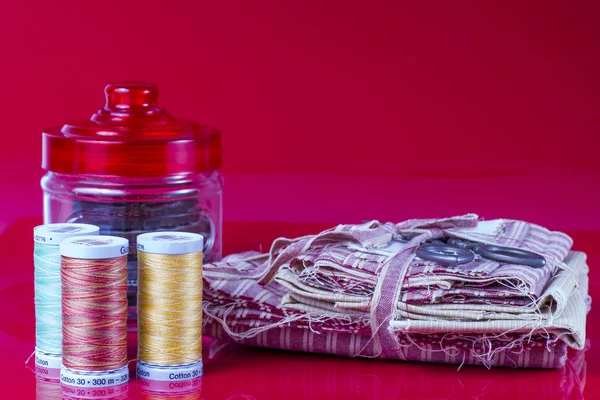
x=131 y=98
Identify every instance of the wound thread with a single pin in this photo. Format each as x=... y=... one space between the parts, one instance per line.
x=169 y=308
x=48 y=318
x=94 y=309
x=47 y=283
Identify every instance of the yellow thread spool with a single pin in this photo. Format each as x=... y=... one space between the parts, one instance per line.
x=169 y=306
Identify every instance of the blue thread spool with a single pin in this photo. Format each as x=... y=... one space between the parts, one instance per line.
x=46 y=260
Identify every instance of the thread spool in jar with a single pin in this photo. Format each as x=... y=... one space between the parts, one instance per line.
x=169 y=306
x=48 y=292
x=94 y=310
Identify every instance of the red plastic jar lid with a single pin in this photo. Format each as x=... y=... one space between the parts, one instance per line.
x=131 y=137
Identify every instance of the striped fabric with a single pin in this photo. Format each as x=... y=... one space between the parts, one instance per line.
x=354 y=291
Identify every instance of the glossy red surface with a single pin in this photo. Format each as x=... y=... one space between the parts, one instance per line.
x=235 y=372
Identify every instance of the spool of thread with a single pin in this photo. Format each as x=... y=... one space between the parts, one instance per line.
x=48 y=314
x=169 y=306
x=94 y=311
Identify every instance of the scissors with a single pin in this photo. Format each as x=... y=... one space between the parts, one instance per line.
x=456 y=252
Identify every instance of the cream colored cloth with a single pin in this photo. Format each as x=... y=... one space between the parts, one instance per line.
x=561 y=310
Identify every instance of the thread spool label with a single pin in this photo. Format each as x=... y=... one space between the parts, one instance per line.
x=46 y=360
x=47 y=366
x=92 y=242
x=50 y=374
x=94 y=379
x=94 y=247
x=175 y=373
x=53 y=234
x=170 y=242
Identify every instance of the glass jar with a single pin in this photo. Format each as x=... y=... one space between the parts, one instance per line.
x=133 y=168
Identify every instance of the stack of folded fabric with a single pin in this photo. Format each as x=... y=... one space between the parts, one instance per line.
x=357 y=290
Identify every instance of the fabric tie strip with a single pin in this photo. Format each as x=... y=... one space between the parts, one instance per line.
x=355 y=290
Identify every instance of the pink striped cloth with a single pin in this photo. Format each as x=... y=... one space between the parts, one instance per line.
x=354 y=291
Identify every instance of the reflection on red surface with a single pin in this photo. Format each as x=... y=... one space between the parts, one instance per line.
x=316 y=376
x=162 y=396
x=237 y=372
x=107 y=393
x=181 y=390
x=303 y=376
x=53 y=390
x=47 y=390
x=49 y=374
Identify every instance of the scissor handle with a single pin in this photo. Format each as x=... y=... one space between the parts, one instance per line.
x=511 y=255
x=445 y=254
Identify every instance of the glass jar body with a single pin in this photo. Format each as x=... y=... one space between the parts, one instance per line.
x=128 y=207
